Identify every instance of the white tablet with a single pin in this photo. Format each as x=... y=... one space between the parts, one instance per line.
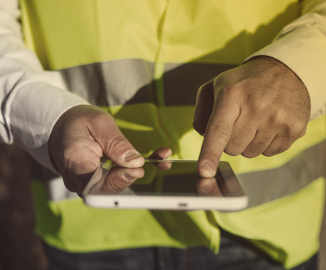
x=165 y=185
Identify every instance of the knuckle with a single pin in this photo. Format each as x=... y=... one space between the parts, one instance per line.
x=273 y=152
x=219 y=80
x=199 y=93
x=278 y=150
x=234 y=146
x=113 y=185
x=231 y=90
x=221 y=129
x=224 y=77
x=102 y=118
x=281 y=149
x=268 y=153
x=296 y=129
x=201 y=89
x=232 y=151
x=236 y=138
x=250 y=153
x=236 y=92
x=277 y=118
x=199 y=127
x=207 y=87
x=257 y=148
x=257 y=107
x=116 y=144
x=261 y=144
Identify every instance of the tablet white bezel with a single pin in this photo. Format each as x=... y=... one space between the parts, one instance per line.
x=164 y=202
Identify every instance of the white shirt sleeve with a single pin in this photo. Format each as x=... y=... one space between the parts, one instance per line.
x=301 y=46
x=31 y=99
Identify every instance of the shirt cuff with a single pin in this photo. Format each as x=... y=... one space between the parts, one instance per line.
x=34 y=111
x=303 y=50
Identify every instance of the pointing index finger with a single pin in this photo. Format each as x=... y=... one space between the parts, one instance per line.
x=218 y=133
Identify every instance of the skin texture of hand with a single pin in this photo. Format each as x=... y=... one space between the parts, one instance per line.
x=260 y=107
x=121 y=178
x=162 y=153
x=208 y=187
x=80 y=138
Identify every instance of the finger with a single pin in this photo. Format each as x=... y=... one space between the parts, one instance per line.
x=208 y=186
x=164 y=166
x=218 y=132
x=84 y=167
x=96 y=148
x=115 y=146
x=279 y=145
x=303 y=132
x=70 y=184
x=244 y=131
x=121 y=178
x=162 y=153
x=80 y=161
x=204 y=107
x=285 y=138
x=259 y=144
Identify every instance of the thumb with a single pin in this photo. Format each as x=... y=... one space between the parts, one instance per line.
x=113 y=143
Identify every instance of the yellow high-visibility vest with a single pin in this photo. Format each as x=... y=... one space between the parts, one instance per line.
x=144 y=61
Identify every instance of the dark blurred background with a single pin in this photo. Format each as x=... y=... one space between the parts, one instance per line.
x=20 y=248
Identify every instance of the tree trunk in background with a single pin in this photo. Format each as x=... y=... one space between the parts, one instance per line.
x=20 y=248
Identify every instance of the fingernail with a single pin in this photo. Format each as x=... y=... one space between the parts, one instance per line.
x=207 y=169
x=131 y=155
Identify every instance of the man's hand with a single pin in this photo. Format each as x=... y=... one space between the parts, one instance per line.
x=260 y=107
x=121 y=178
x=80 y=138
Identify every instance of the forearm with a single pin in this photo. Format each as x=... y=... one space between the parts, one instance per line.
x=31 y=99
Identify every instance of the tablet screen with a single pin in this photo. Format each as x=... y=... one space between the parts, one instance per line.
x=163 y=178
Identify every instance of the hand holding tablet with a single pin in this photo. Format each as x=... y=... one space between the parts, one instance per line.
x=164 y=184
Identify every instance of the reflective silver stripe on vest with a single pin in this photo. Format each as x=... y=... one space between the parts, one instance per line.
x=182 y=81
x=268 y=185
x=130 y=81
x=117 y=82
x=261 y=187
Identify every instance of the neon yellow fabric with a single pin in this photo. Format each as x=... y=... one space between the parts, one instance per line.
x=252 y=222
x=165 y=31
x=178 y=121
x=67 y=33
x=63 y=225
x=59 y=222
